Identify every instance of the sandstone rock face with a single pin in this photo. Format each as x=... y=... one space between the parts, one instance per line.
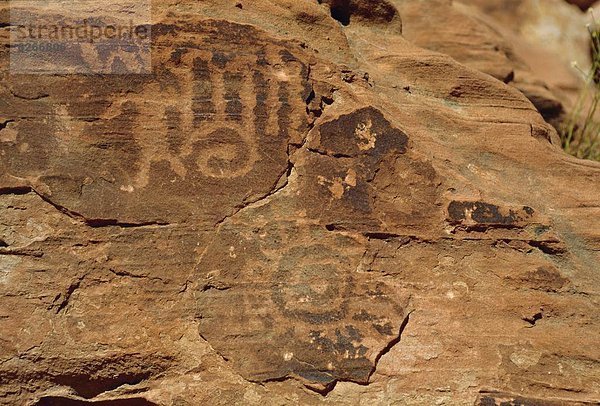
x=528 y=44
x=548 y=36
x=299 y=205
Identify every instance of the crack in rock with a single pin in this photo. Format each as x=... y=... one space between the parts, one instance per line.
x=93 y=223
x=328 y=388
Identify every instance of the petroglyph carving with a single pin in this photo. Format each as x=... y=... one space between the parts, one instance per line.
x=214 y=111
x=212 y=128
x=341 y=317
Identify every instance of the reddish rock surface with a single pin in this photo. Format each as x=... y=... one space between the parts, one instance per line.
x=528 y=44
x=301 y=204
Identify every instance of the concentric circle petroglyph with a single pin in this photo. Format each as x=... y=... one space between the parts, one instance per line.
x=313 y=284
x=288 y=299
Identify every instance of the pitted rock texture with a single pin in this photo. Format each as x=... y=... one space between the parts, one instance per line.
x=301 y=204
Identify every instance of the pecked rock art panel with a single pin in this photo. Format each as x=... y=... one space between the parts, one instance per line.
x=289 y=299
x=370 y=180
x=285 y=289
x=208 y=131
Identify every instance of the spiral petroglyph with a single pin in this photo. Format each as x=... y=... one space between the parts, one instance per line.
x=210 y=131
x=308 y=277
x=212 y=119
x=220 y=111
x=313 y=284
